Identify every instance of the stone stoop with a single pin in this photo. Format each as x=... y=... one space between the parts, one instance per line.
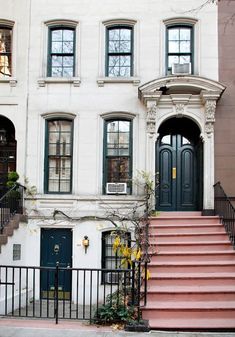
x=9 y=228
x=192 y=283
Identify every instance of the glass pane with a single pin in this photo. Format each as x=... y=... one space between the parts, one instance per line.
x=113 y=126
x=123 y=139
x=56 y=35
x=185 y=46
x=124 y=126
x=65 y=125
x=185 y=141
x=113 y=46
x=53 y=126
x=173 y=47
x=113 y=71
x=5 y=40
x=56 y=47
x=53 y=185
x=125 y=34
x=113 y=61
x=125 y=47
x=185 y=34
x=124 y=152
x=68 y=35
x=171 y=60
x=68 y=61
x=65 y=186
x=67 y=72
x=125 y=61
x=184 y=59
x=112 y=152
x=173 y=34
x=112 y=139
x=56 y=72
x=68 y=47
x=113 y=34
x=125 y=71
x=56 y=61
x=166 y=140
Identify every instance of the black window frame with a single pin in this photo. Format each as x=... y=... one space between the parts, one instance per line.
x=106 y=156
x=125 y=238
x=7 y=54
x=108 y=53
x=191 y=53
x=62 y=54
x=48 y=156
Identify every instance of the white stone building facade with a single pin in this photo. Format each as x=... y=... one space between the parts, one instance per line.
x=107 y=78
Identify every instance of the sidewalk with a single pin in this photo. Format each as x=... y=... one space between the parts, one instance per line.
x=46 y=328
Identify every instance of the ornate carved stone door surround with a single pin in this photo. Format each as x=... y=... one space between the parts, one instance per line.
x=187 y=96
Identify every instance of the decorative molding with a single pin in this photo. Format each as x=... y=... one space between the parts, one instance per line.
x=76 y=81
x=210 y=108
x=121 y=21
x=58 y=114
x=7 y=23
x=61 y=22
x=118 y=114
x=102 y=80
x=180 y=20
x=151 y=119
x=209 y=128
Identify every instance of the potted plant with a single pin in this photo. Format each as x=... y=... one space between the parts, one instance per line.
x=13 y=194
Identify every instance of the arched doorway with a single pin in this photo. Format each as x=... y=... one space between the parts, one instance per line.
x=179 y=166
x=7 y=151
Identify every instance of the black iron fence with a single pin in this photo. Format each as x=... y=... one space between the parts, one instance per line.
x=70 y=293
x=10 y=204
x=226 y=211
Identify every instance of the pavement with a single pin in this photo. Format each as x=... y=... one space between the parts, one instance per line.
x=48 y=328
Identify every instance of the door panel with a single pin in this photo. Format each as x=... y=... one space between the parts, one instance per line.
x=178 y=175
x=56 y=247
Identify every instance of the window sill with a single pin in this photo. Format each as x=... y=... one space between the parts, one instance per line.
x=57 y=80
x=102 y=80
x=11 y=80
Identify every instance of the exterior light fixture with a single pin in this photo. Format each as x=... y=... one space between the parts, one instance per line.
x=85 y=243
x=3 y=138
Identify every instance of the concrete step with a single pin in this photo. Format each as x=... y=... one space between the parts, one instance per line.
x=201 y=323
x=185 y=228
x=190 y=267
x=191 y=246
x=190 y=279
x=191 y=237
x=202 y=305
x=194 y=256
x=8 y=230
x=189 y=220
x=3 y=239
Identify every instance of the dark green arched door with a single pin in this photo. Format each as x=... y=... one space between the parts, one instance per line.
x=178 y=164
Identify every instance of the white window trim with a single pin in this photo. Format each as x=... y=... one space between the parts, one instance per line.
x=12 y=79
x=196 y=47
x=102 y=79
x=44 y=79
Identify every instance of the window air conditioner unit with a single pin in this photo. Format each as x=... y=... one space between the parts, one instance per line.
x=116 y=188
x=112 y=278
x=181 y=69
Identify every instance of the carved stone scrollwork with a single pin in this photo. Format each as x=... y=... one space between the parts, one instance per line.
x=210 y=107
x=151 y=119
x=179 y=109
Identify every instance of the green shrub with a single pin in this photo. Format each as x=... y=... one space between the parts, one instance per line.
x=13 y=176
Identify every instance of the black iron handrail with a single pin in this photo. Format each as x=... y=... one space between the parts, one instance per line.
x=225 y=210
x=11 y=203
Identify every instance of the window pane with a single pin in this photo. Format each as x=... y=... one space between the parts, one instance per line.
x=113 y=46
x=125 y=46
x=125 y=61
x=68 y=61
x=67 y=72
x=125 y=71
x=124 y=126
x=185 y=34
x=56 y=72
x=172 y=59
x=173 y=34
x=113 y=61
x=185 y=47
x=56 y=47
x=113 y=71
x=184 y=59
x=68 y=35
x=113 y=126
x=68 y=47
x=56 y=61
x=173 y=47
x=56 y=35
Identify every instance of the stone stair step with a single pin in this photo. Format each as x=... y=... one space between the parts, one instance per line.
x=3 y=239
x=172 y=220
x=191 y=246
x=202 y=323
x=177 y=229
x=192 y=237
x=194 y=256
x=204 y=305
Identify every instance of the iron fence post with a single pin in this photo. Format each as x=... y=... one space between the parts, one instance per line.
x=56 y=291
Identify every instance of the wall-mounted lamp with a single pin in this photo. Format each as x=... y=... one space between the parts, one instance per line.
x=85 y=243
